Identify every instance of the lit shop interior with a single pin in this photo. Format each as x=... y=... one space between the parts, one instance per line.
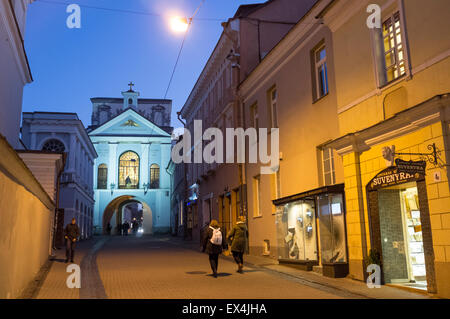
x=311 y=231
x=401 y=236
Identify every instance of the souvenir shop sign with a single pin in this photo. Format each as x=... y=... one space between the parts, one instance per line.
x=404 y=172
x=411 y=167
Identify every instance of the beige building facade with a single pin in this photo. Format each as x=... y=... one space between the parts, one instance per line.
x=218 y=190
x=363 y=173
x=293 y=90
x=392 y=103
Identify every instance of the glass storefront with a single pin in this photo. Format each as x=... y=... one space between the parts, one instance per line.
x=333 y=246
x=302 y=222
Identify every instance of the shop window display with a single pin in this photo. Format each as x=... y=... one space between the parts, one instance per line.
x=296 y=230
x=332 y=228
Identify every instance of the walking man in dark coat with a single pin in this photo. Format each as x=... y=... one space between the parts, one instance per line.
x=213 y=250
x=238 y=237
x=71 y=234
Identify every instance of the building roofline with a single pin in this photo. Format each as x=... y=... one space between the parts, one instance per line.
x=292 y=30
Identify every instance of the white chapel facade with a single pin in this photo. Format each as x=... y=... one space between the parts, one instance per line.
x=132 y=137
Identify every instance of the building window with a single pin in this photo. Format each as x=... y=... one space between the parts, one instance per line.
x=320 y=72
x=54 y=145
x=256 y=196
x=102 y=176
x=394 y=56
x=328 y=167
x=273 y=95
x=154 y=176
x=130 y=101
x=274 y=188
x=129 y=170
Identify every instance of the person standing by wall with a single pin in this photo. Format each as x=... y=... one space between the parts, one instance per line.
x=213 y=244
x=238 y=237
x=71 y=234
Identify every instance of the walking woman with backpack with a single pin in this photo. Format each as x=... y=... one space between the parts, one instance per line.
x=238 y=237
x=213 y=244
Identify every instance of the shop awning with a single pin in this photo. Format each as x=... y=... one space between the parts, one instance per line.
x=338 y=188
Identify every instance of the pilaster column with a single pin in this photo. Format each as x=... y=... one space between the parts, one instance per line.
x=33 y=141
x=112 y=168
x=145 y=165
x=165 y=156
x=72 y=152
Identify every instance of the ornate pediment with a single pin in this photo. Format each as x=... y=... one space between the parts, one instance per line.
x=129 y=123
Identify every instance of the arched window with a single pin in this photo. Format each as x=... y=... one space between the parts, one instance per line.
x=154 y=176
x=130 y=101
x=54 y=145
x=129 y=170
x=102 y=176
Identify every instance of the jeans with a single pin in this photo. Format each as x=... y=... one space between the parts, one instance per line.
x=214 y=262
x=238 y=257
x=70 y=249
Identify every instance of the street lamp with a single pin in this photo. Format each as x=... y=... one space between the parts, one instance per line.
x=179 y=25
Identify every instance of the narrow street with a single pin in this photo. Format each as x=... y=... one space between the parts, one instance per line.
x=166 y=268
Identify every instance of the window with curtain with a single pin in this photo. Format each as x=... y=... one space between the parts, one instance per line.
x=129 y=170
x=102 y=176
x=154 y=176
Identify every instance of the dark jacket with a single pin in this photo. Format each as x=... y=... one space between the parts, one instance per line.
x=72 y=231
x=238 y=237
x=209 y=247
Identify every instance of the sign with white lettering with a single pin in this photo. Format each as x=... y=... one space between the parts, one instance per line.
x=404 y=172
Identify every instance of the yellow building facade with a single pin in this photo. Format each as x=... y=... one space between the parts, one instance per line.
x=394 y=113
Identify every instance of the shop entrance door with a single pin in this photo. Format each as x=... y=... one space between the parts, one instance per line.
x=401 y=236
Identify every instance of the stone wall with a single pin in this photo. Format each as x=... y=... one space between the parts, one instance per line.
x=26 y=215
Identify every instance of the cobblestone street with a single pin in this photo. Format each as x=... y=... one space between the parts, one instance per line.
x=167 y=268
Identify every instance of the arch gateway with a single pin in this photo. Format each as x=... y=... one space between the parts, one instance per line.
x=133 y=153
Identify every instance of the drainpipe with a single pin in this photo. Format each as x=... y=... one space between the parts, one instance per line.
x=185 y=186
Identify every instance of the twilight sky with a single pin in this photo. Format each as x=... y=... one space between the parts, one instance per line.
x=70 y=66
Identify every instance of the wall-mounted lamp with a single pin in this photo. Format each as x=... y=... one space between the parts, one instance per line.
x=112 y=186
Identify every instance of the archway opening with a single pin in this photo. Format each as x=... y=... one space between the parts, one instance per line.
x=127 y=209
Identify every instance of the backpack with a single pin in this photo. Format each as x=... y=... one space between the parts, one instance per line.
x=216 y=238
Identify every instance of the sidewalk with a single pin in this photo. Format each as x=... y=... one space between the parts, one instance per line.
x=345 y=285
x=53 y=284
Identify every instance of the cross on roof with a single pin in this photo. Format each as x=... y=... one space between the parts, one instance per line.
x=131 y=84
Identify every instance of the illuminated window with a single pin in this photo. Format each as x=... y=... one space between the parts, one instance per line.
x=275 y=188
x=154 y=176
x=394 y=51
x=102 y=176
x=54 y=145
x=129 y=170
x=328 y=166
x=256 y=196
